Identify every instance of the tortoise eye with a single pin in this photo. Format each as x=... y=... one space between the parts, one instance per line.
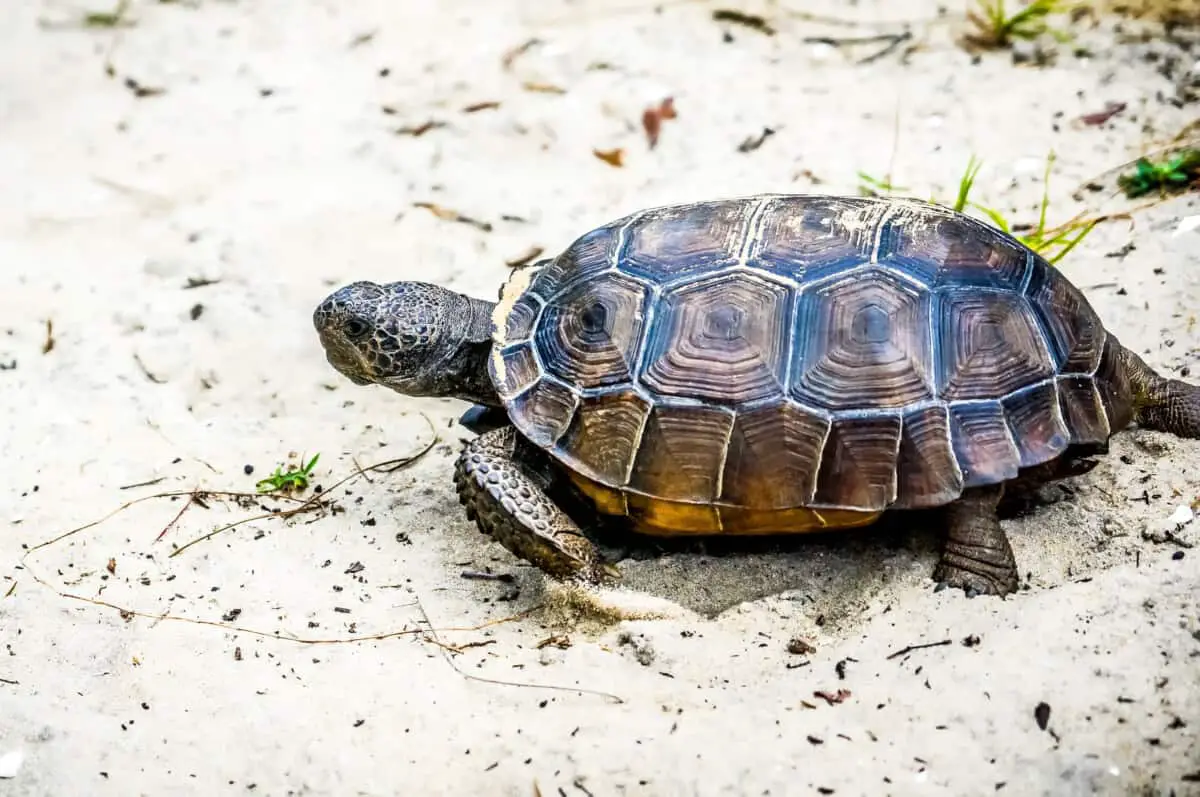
x=356 y=327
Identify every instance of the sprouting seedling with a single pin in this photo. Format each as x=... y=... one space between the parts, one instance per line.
x=293 y=479
x=1171 y=175
x=995 y=28
x=873 y=186
x=1052 y=243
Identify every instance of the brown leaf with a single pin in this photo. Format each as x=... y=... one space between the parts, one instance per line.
x=834 y=698
x=1111 y=109
x=613 y=157
x=111 y=567
x=486 y=105
x=653 y=117
x=419 y=130
x=525 y=258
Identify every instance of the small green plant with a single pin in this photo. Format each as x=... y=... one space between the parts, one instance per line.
x=873 y=186
x=107 y=19
x=292 y=479
x=1052 y=243
x=1175 y=174
x=995 y=28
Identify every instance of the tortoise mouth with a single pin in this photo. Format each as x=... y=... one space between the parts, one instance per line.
x=352 y=367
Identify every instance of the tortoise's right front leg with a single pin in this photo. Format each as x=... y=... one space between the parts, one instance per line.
x=507 y=503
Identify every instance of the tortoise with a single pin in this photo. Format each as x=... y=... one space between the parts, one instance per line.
x=770 y=364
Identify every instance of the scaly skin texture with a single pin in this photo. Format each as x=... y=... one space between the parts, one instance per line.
x=508 y=503
x=415 y=338
x=977 y=557
x=1161 y=404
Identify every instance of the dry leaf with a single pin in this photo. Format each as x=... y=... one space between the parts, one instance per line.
x=613 y=157
x=653 y=117
x=542 y=88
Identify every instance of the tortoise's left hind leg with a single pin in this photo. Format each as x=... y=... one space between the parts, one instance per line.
x=506 y=501
x=977 y=556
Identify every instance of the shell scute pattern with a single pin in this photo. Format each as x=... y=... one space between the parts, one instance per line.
x=941 y=248
x=813 y=238
x=665 y=244
x=781 y=352
x=738 y=321
x=864 y=343
x=591 y=332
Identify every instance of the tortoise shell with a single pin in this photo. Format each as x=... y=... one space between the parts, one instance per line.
x=787 y=363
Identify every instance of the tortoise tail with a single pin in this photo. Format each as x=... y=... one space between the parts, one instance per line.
x=1161 y=404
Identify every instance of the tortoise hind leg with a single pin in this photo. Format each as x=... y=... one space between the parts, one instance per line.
x=507 y=502
x=977 y=556
x=1161 y=404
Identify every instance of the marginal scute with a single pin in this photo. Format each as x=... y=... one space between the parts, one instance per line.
x=604 y=436
x=1037 y=424
x=1112 y=379
x=666 y=243
x=589 y=334
x=1083 y=410
x=989 y=345
x=513 y=370
x=927 y=470
x=950 y=249
x=1073 y=328
x=864 y=344
x=588 y=256
x=723 y=340
x=809 y=238
x=774 y=453
x=682 y=453
x=982 y=443
x=543 y=412
x=858 y=468
x=518 y=326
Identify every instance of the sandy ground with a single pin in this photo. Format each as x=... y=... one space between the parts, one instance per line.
x=270 y=169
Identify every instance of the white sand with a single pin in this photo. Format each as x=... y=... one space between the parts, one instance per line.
x=110 y=203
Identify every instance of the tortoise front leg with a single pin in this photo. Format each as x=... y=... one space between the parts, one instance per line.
x=506 y=501
x=977 y=556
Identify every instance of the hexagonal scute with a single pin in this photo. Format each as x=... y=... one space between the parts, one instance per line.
x=989 y=345
x=864 y=343
x=774 y=453
x=1074 y=329
x=681 y=454
x=589 y=334
x=723 y=340
x=604 y=435
x=667 y=243
x=809 y=238
x=944 y=248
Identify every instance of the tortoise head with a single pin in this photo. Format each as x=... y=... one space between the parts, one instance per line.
x=415 y=338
